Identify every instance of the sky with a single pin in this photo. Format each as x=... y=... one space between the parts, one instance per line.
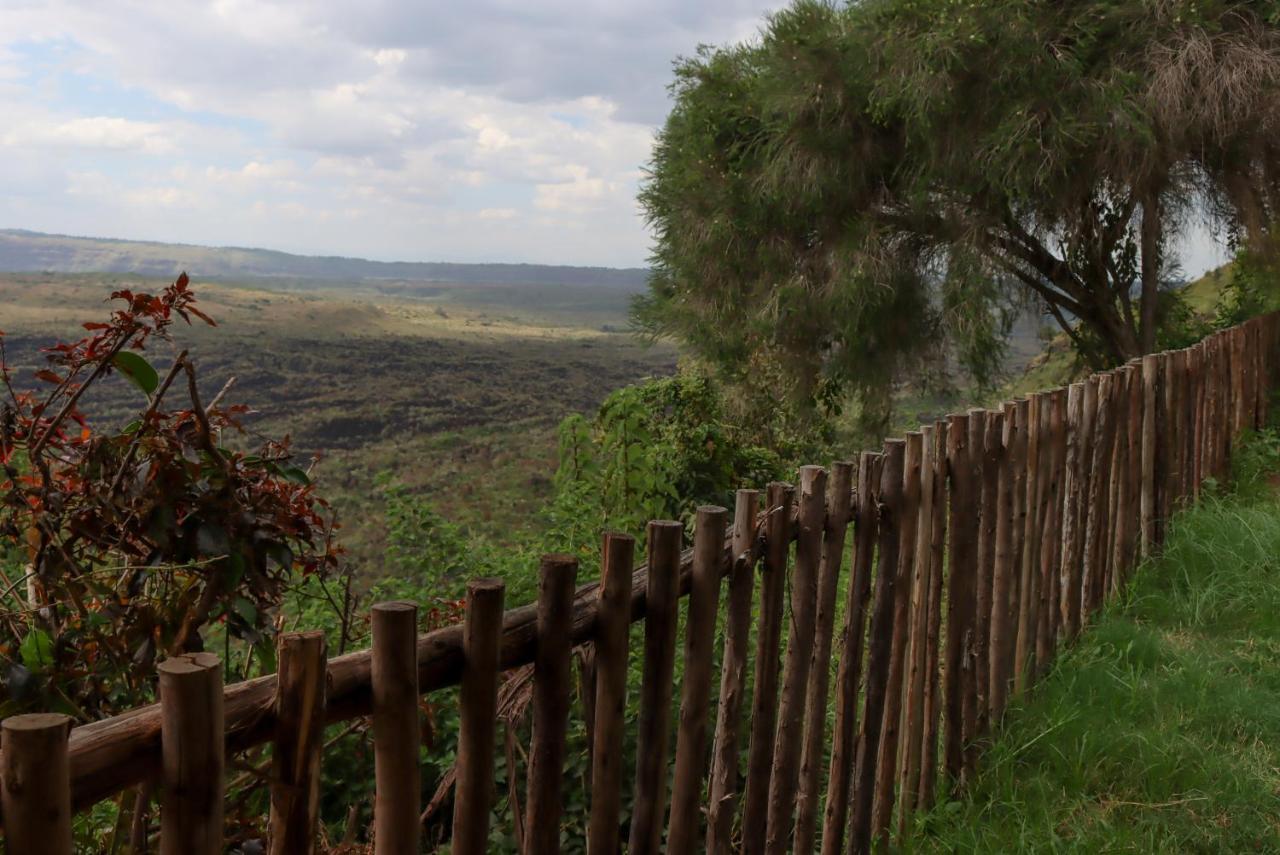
x=488 y=130
x=415 y=130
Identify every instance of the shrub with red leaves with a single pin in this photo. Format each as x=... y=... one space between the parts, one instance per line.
x=132 y=541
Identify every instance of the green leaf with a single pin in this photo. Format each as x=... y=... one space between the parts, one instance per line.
x=137 y=370
x=246 y=610
x=266 y=650
x=296 y=475
x=36 y=651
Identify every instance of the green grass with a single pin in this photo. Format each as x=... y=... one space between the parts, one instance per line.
x=1160 y=730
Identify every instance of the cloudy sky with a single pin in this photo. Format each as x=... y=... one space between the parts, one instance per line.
x=489 y=130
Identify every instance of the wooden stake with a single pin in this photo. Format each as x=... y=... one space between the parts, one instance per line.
x=960 y=599
x=918 y=653
x=1029 y=584
x=612 y=649
x=764 y=709
x=737 y=632
x=396 y=729
x=891 y=730
x=1099 y=482
x=839 y=504
x=478 y=699
x=1072 y=513
x=988 y=472
x=789 y=741
x=1003 y=629
x=35 y=783
x=192 y=736
x=936 y=438
x=552 y=694
x=852 y=637
x=295 y=762
x=879 y=643
x=654 y=724
x=700 y=633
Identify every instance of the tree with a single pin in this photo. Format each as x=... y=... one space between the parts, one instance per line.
x=865 y=185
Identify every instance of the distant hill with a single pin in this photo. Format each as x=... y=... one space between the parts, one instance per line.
x=26 y=252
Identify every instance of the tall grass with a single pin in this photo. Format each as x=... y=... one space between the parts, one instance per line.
x=1159 y=731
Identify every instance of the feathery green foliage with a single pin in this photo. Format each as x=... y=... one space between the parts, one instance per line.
x=867 y=186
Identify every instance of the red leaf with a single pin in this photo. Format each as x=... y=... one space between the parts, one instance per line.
x=202 y=316
x=48 y=376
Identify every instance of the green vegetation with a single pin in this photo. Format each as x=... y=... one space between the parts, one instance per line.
x=870 y=187
x=456 y=390
x=1160 y=729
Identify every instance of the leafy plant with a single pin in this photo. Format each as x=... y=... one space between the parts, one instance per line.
x=128 y=544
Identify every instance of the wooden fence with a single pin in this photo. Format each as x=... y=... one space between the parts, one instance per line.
x=979 y=545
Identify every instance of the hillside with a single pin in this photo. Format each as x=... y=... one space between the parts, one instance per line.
x=24 y=252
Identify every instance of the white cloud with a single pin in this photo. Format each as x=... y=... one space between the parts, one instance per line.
x=495 y=130
x=90 y=132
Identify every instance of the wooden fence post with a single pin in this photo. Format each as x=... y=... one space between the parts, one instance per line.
x=764 y=709
x=35 y=783
x=700 y=636
x=891 y=733
x=295 y=761
x=654 y=724
x=789 y=740
x=552 y=693
x=477 y=731
x=936 y=438
x=1072 y=514
x=1004 y=567
x=396 y=730
x=852 y=644
x=918 y=651
x=960 y=597
x=988 y=450
x=1051 y=534
x=1018 y=525
x=191 y=736
x=839 y=503
x=1028 y=588
x=612 y=650
x=879 y=645
x=737 y=634
x=1096 y=532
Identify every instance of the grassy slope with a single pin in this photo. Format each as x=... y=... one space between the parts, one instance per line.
x=1160 y=730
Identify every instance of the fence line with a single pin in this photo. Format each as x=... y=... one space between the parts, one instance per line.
x=1017 y=523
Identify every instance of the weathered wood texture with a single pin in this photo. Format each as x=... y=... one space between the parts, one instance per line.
x=295 y=760
x=191 y=806
x=653 y=727
x=611 y=657
x=552 y=693
x=35 y=783
x=836 y=524
x=879 y=645
x=764 y=709
x=851 y=643
x=737 y=633
x=700 y=629
x=478 y=702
